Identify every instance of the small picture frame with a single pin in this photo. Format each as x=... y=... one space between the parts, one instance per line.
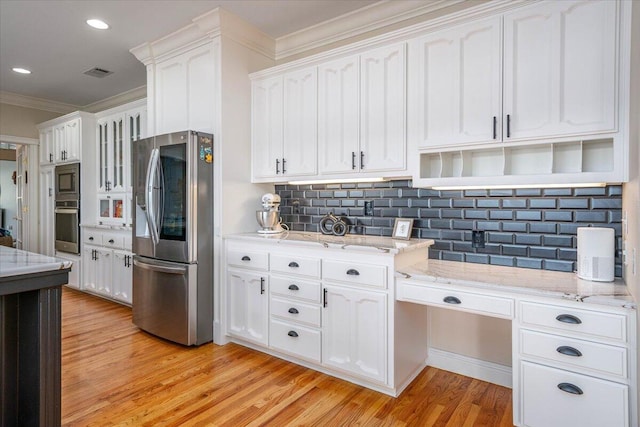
x=402 y=228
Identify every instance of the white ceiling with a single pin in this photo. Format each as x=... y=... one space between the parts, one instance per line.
x=51 y=38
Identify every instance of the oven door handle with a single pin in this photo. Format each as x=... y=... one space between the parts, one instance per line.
x=66 y=211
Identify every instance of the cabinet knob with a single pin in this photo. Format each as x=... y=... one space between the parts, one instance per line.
x=245 y=258
x=293 y=310
x=91 y=238
x=570 y=388
x=293 y=264
x=111 y=241
x=293 y=334
x=353 y=272
x=568 y=318
x=569 y=351
x=451 y=300
x=294 y=288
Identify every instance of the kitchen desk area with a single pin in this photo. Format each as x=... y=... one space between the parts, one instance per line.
x=30 y=338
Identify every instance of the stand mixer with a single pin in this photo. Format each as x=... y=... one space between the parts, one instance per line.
x=269 y=217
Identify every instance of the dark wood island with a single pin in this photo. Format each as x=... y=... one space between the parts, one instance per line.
x=30 y=313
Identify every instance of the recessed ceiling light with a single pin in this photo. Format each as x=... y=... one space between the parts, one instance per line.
x=96 y=23
x=21 y=70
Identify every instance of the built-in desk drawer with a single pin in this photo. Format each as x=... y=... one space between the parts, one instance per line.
x=594 y=324
x=587 y=356
x=553 y=397
x=296 y=311
x=295 y=339
x=293 y=264
x=447 y=297
x=355 y=273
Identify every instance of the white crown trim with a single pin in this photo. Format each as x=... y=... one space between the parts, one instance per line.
x=355 y=23
x=36 y=103
x=117 y=100
x=18 y=140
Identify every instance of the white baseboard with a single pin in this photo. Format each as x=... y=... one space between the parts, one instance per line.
x=470 y=367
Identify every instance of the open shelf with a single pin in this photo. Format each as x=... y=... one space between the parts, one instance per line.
x=548 y=160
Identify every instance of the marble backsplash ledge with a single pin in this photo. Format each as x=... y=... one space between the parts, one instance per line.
x=531 y=228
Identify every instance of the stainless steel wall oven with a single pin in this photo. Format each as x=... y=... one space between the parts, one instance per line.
x=67 y=210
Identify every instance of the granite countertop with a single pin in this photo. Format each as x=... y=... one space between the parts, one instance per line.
x=15 y=262
x=521 y=280
x=348 y=242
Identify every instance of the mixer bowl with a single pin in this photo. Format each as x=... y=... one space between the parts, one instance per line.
x=268 y=219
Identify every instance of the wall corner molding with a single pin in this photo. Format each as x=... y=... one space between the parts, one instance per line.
x=36 y=103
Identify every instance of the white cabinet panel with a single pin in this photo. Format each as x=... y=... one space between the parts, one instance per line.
x=122 y=275
x=296 y=340
x=354 y=332
x=46 y=234
x=559 y=69
x=339 y=115
x=248 y=310
x=300 y=137
x=458 y=85
x=383 y=109
x=267 y=127
x=47 y=146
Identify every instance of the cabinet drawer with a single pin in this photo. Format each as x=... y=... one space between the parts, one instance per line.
x=296 y=311
x=592 y=323
x=296 y=340
x=248 y=259
x=293 y=264
x=290 y=287
x=112 y=241
x=598 y=358
x=454 y=299
x=350 y=272
x=92 y=237
x=545 y=404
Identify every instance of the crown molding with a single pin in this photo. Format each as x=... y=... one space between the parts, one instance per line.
x=215 y=23
x=18 y=139
x=117 y=100
x=355 y=23
x=36 y=103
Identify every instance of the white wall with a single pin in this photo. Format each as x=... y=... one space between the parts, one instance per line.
x=8 y=193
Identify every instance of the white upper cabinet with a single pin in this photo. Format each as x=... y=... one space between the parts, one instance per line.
x=383 y=109
x=284 y=129
x=46 y=146
x=300 y=136
x=559 y=69
x=362 y=106
x=61 y=139
x=339 y=115
x=458 y=87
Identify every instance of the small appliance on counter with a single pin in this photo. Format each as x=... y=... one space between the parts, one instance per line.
x=269 y=217
x=596 y=254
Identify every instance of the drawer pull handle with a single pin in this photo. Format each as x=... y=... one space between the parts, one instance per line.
x=293 y=310
x=451 y=300
x=353 y=272
x=261 y=285
x=569 y=351
x=570 y=388
x=293 y=264
x=293 y=334
x=246 y=258
x=568 y=318
x=111 y=241
x=91 y=238
x=294 y=288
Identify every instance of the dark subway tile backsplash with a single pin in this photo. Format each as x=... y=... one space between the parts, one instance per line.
x=530 y=228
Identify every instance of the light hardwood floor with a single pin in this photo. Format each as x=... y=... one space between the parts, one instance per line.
x=114 y=374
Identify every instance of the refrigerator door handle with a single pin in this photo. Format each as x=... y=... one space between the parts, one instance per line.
x=150 y=211
x=160 y=268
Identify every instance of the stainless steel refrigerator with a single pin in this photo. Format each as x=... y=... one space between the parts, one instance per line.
x=172 y=178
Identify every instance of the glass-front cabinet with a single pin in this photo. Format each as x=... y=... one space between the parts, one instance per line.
x=116 y=130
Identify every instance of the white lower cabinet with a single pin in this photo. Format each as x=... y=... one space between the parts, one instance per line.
x=76 y=269
x=555 y=397
x=107 y=266
x=248 y=308
x=354 y=332
x=322 y=310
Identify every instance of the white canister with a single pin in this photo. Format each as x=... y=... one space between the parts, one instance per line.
x=596 y=254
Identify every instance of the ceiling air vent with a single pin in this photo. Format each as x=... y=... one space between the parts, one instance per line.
x=98 y=72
